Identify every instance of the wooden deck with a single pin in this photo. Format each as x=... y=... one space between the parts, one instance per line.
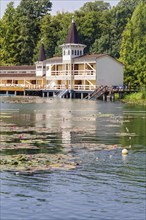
x=103 y=93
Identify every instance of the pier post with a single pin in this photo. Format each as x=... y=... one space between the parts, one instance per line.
x=120 y=95
x=112 y=97
x=81 y=95
x=71 y=94
x=104 y=97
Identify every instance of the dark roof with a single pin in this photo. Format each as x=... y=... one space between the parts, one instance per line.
x=89 y=57
x=94 y=57
x=54 y=60
x=6 y=75
x=72 y=36
x=23 y=67
x=42 y=55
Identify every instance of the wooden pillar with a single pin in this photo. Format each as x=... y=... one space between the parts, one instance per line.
x=112 y=97
x=120 y=95
x=81 y=95
x=104 y=97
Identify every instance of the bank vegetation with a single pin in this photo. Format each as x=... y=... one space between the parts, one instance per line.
x=136 y=98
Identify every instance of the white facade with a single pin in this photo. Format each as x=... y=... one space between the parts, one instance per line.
x=70 y=51
x=40 y=68
x=109 y=71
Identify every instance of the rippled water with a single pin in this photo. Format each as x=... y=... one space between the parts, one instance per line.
x=105 y=186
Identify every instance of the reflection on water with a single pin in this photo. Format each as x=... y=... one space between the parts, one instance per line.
x=106 y=185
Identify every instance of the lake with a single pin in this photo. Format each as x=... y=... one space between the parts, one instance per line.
x=106 y=185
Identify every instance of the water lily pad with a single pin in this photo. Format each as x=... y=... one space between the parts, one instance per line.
x=32 y=163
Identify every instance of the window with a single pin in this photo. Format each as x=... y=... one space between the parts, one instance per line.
x=33 y=82
x=9 y=81
x=75 y=52
x=80 y=52
x=39 y=67
x=72 y=52
x=68 y=52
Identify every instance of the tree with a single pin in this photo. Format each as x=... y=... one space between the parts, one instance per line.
x=133 y=47
x=65 y=22
x=95 y=6
x=30 y=13
x=112 y=25
x=49 y=29
x=20 y=31
x=88 y=25
x=102 y=43
x=7 y=36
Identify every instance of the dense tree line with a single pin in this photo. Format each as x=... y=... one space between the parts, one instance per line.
x=119 y=31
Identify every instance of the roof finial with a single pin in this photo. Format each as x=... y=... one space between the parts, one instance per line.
x=73 y=19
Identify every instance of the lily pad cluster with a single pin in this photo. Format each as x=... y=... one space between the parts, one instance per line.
x=32 y=163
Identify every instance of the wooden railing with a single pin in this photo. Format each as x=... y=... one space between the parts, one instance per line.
x=47 y=86
x=73 y=72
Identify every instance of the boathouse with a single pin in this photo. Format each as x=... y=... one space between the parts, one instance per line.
x=73 y=71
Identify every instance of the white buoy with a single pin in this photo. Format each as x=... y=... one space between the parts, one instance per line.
x=124 y=151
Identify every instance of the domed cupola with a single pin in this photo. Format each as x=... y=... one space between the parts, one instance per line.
x=72 y=48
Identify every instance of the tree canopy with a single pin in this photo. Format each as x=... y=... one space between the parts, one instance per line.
x=133 y=47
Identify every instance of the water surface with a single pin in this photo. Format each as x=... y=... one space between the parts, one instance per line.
x=105 y=186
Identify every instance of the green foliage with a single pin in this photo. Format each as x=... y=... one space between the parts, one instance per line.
x=49 y=35
x=133 y=47
x=88 y=27
x=7 y=36
x=20 y=30
x=95 y=6
x=137 y=98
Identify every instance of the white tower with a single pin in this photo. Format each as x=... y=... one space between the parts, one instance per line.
x=40 y=64
x=72 y=48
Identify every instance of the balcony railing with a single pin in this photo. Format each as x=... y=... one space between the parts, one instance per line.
x=47 y=86
x=75 y=72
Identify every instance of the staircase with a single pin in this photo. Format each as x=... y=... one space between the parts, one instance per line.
x=62 y=93
x=97 y=93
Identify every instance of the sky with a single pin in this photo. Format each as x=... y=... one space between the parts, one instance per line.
x=58 y=5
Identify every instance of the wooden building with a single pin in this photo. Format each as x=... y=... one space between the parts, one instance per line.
x=74 y=70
